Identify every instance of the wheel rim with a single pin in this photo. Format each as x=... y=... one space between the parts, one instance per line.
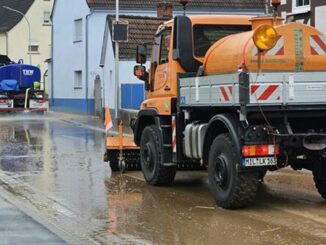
x=148 y=157
x=221 y=174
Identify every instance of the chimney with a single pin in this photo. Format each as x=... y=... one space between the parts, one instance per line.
x=164 y=10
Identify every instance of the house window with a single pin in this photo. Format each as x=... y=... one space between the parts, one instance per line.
x=33 y=48
x=78 y=30
x=300 y=6
x=78 y=83
x=301 y=3
x=46 y=18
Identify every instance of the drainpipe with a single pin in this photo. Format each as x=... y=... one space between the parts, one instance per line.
x=52 y=61
x=86 y=62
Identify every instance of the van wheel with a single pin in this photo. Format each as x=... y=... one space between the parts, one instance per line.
x=231 y=189
x=151 y=158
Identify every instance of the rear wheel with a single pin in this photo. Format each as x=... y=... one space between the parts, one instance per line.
x=231 y=189
x=113 y=157
x=151 y=158
x=261 y=175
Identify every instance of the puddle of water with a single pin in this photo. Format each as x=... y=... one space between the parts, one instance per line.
x=65 y=163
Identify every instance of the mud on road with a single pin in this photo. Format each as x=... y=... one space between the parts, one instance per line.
x=52 y=169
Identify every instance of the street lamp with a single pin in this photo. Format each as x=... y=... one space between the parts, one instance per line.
x=29 y=30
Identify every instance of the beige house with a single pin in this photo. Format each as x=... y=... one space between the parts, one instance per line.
x=17 y=40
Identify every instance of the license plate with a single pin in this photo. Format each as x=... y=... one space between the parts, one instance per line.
x=7 y=104
x=259 y=161
x=38 y=105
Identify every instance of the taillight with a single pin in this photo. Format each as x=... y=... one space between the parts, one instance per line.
x=3 y=101
x=260 y=150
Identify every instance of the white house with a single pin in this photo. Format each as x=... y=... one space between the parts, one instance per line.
x=80 y=33
x=311 y=12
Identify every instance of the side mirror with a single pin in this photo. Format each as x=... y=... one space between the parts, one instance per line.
x=183 y=44
x=140 y=72
x=141 y=54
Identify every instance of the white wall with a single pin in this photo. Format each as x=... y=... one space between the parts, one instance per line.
x=96 y=24
x=68 y=55
x=320 y=19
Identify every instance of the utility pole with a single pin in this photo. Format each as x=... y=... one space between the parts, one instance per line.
x=117 y=80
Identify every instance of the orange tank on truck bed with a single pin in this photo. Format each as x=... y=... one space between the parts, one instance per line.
x=237 y=95
x=297 y=49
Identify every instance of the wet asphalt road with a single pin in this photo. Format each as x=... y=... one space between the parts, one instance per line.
x=51 y=168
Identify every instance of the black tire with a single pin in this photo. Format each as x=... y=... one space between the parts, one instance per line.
x=114 y=160
x=151 y=158
x=231 y=189
x=261 y=175
x=320 y=184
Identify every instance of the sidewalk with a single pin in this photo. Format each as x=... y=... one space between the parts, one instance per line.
x=18 y=228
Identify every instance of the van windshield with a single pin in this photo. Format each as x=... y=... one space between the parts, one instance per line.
x=207 y=35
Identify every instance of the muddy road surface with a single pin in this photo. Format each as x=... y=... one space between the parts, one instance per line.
x=52 y=169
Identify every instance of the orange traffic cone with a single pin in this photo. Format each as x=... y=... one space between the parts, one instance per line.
x=108 y=120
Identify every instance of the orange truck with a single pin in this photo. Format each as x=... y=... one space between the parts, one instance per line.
x=238 y=95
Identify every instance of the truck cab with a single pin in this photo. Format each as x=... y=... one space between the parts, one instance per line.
x=196 y=36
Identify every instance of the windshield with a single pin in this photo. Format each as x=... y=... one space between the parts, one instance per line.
x=207 y=35
x=4 y=60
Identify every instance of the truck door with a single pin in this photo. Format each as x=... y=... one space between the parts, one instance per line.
x=160 y=66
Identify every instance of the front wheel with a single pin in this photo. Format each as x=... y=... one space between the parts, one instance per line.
x=151 y=158
x=231 y=189
x=319 y=174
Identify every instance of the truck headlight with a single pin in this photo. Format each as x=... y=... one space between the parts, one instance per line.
x=265 y=37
